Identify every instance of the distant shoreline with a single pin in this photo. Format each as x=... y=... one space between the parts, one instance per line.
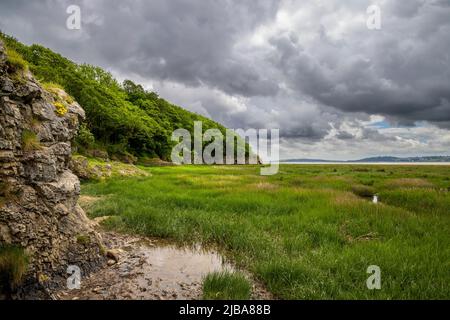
x=375 y=163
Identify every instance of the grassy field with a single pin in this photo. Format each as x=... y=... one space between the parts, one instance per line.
x=309 y=232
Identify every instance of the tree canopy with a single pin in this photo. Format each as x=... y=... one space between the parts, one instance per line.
x=121 y=117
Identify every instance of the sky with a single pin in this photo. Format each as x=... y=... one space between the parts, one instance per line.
x=335 y=88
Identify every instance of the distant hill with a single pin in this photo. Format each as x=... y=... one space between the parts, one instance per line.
x=379 y=159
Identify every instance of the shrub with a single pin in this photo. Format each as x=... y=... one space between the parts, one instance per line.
x=226 y=286
x=85 y=137
x=30 y=141
x=13 y=266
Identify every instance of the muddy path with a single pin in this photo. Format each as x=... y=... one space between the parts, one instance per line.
x=141 y=268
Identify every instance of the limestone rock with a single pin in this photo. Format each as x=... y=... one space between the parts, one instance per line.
x=39 y=193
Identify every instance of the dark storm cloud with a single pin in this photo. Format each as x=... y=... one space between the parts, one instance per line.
x=402 y=70
x=186 y=41
x=302 y=66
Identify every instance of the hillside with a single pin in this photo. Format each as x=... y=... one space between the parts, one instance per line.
x=123 y=120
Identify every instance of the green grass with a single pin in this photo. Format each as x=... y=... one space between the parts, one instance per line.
x=83 y=239
x=30 y=140
x=57 y=92
x=304 y=233
x=226 y=286
x=97 y=169
x=15 y=60
x=13 y=265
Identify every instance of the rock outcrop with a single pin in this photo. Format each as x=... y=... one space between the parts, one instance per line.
x=38 y=192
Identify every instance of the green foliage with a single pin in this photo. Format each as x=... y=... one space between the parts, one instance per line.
x=226 y=286
x=51 y=86
x=15 y=61
x=30 y=140
x=85 y=137
x=124 y=118
x=58 y=92
x=13 y=265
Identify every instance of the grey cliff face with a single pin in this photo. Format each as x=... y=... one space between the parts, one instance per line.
x=38 y=204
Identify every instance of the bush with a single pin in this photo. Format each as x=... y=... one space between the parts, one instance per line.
x=226 y=286
x=85 y=138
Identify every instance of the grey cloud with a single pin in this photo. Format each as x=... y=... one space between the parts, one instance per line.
x=344 y=135
x=402 y=70
x=186 y=41
x=306 y=76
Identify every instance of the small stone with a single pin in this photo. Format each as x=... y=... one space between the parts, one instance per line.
x=111 y=262
x=113 y=254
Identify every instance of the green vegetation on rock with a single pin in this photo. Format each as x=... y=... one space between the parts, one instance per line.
x=15 y=61
x=13 y=265
x=30 y=140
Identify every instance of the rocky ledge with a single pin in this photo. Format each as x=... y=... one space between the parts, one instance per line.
x=38 y=192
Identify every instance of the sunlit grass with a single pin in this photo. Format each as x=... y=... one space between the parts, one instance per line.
x=303 y=232
x=226 y=286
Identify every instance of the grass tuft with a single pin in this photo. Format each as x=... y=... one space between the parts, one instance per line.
x=13 y=266
x=15 y=61
x=83 y=239
x=226 y=286
x=30 y=141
